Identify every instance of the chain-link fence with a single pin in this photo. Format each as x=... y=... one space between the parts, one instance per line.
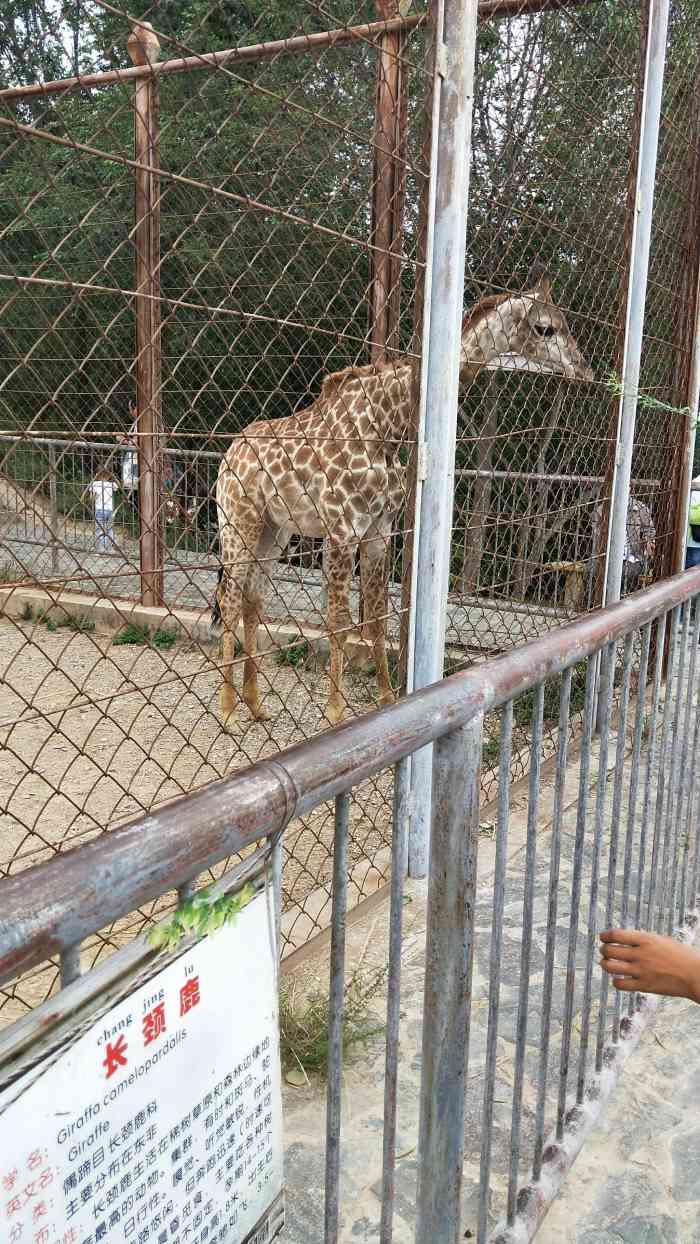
x=200 y=235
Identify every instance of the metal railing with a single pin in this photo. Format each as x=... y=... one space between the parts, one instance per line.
x=528 y=538
x=634 y=861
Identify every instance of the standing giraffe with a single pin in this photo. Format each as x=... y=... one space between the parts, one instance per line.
x=333 y=471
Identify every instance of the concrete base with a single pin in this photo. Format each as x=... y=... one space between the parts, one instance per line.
x=112 y=614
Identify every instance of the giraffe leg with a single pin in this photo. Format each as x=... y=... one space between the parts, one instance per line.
x=375 y=590
x=237 y=547
x=230 y=605
x=271 y=546
x=339 y=562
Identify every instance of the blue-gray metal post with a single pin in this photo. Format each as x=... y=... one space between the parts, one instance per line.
x=636 y=298
x=691 y=431
x=455 y=49
x=449 y=957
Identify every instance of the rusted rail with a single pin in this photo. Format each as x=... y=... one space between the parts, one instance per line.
x=49 y=908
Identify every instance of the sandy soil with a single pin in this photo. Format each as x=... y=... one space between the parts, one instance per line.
x=92 y=733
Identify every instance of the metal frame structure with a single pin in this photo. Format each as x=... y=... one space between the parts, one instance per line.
x=651 y=855
x=438 y=255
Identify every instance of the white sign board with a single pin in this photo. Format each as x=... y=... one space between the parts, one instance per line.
x=162 y=1124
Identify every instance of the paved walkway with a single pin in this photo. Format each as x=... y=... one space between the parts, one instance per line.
x=638 y=1179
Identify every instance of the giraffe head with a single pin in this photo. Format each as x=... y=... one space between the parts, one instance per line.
x=521 y=332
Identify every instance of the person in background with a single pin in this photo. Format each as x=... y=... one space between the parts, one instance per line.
x=103 y=488
x=130 y=467
x=692 y=552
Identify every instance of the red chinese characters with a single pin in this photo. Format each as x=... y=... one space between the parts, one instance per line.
x=115 y=1056
x=189 y=995
x=9 y=1179
x=153 y=1023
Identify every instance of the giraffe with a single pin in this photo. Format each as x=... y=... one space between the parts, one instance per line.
x=333 y=471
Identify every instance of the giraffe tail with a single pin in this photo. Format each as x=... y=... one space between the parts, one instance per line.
x=215 y=622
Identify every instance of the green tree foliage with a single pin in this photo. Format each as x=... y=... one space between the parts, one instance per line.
x=265 y=267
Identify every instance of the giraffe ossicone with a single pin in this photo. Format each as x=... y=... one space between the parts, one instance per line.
x=333 y=471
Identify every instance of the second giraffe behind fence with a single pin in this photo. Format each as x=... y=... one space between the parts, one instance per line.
x=333 y=471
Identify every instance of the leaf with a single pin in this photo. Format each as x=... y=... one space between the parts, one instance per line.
x=297 y=1077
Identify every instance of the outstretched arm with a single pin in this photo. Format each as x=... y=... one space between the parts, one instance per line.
x=650 y=963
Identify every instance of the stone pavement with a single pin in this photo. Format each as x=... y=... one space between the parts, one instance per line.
x=638 y=1178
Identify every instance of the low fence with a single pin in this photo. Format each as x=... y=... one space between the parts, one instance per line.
x=523 y=537
x=631 y=859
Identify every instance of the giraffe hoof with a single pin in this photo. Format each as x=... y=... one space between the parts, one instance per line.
x=228 y=722
x=387 y=697
x=258 y=713
x=334 y=713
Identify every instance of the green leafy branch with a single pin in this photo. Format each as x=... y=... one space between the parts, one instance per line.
x=645 y=400
x=197 y=916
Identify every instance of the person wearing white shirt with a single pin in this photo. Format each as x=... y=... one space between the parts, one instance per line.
x=103 y=488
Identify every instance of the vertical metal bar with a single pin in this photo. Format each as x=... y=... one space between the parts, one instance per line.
x=635 y=766
x=499 y=882
x=399 y=843
x=143 y=47
x=661 y=772
x=689 y=885
x=53 y=508
x=615 y=818
x=581 y=818
x=276 y=862
x=448 y=977
x=688 y=775
x=636 y=300
x=526 y=946
x=388 y=183
x=456 y=49
x=691 y=820
x=604 y=708
x=554 y=865
x=70 y=965
x=686 y=348
x=672 y=836
x=336 y=1018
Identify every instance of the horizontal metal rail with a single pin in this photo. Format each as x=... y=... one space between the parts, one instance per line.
x=528 y=477
x=295 y=46
x=49 y=908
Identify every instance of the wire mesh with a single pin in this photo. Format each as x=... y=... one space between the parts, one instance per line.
x=201 y=250
x=554 y=165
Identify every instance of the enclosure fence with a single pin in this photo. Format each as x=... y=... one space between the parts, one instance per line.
x=233 y=233
x=622 y=848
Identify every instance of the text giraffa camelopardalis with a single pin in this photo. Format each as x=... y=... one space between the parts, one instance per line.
x=333 y=471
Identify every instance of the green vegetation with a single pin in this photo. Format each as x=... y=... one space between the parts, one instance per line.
x=524 y=706
x=10 y=572
x=135 y=633
x=60 y=621
x=295 y=655
x=197 y=916
x=304 y=1021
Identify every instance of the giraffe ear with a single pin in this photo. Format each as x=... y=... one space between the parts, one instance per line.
x=544 y=288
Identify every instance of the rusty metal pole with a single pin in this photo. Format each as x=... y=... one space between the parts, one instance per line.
x=388 y=192
x=143 y=48
x=688 y=352
x=388 y=187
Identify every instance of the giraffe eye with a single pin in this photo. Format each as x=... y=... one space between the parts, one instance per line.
x=544 y=330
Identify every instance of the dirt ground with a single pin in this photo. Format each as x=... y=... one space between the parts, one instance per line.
x=92 y=733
